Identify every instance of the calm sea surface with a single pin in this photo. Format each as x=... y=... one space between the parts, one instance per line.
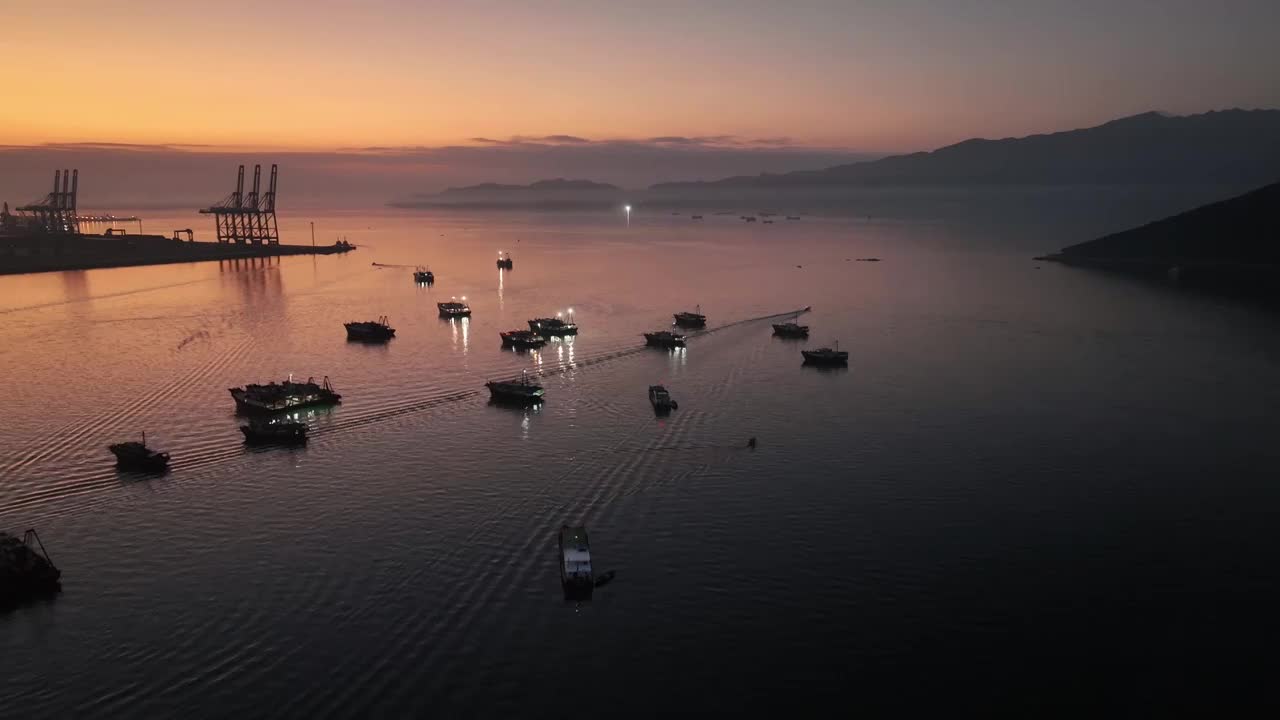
x=1033 y=486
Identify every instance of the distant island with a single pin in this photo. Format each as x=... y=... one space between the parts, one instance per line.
x=557 y=193
x=1228 y=245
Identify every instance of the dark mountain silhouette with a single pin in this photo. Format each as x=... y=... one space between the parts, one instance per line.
x=544 y=193
x=1230 y=146
x=1243 y=229
x=1229 y=246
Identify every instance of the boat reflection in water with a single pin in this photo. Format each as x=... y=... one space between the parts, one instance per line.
x=461 y=328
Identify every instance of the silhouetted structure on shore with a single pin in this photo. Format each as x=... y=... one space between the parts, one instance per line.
x=247 y=220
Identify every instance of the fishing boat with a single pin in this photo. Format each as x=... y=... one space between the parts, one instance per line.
x=691 y=319
x=283 y=396
x=661 y=400
x=826 y=356
x=135 y=455
x=504 y=261
x=749 y=218
x=793 y=217
x=515 y=391
x=370 y=331
x=522 y=339
x=663 y=339
x=554 y=326
x=423 y=276
x=454 y=309
x=575 y=563
x=697 y=217
x=791 y=329
x=274 y=432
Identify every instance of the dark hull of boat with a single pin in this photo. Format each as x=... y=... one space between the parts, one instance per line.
x=791 y=331
x=690 y=322
x=450 y=314
x=142 y=464
x=665 y=343
x=257 y=437
x=506 y=264
x=370 y=335
x=812 y=359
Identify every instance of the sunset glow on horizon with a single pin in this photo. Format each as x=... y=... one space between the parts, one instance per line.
x=873 y=76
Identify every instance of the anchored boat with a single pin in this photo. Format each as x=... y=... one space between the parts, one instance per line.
x=504 y=261
x=826 y=356
x=423 y=276
x=691 y=319
x=282 y=396
x=520 y=391
x=554 y=326
x=575 y=563
x=791 y=329
x=454 y=309
x=663 y=339
x=522 y=339
x=370 y=331
x=278 y=432
x=135 y=455
x=661 y=400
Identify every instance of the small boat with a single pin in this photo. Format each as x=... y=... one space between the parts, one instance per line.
x=515 y=391
x=522 y=339
x=696 y=217
x=370 y=331
x=871 y=259
x=575 y=563
x=663 y=339
x=135 y=455
x=749 y=218
x=278 y=432
x=793 y=217
x=768 y=222
x=284 y=396
x=826 y=356
x=661 y=400
x=423 y=276
x=691 y=319
x=504 y=261
x=453 y=309
x=791 y=329
x=556 y=326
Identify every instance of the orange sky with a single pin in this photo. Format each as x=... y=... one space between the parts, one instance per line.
x=877 y=76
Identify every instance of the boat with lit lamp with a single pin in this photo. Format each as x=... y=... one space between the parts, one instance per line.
x=554 y=326
x=826 y=356
x=664 y=339
x=423 y=276
x=284 y=396
x=261 y=431
x=522 y=339
x=454 y=309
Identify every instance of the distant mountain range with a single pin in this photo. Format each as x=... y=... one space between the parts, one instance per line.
x=1230 y=146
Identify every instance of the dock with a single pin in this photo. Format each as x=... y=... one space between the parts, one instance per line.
x=34 y=253
x=45 y=236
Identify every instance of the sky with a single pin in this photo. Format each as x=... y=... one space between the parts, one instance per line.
x=738 y=82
